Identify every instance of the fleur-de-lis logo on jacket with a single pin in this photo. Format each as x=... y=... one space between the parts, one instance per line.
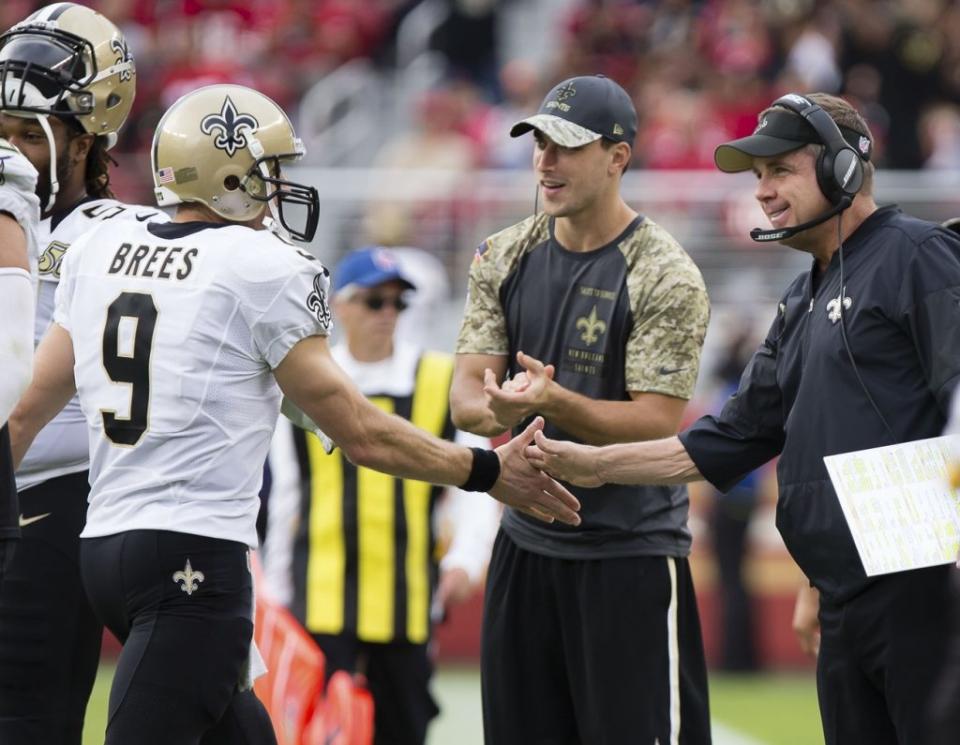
x=833 y=308
x=230 y=127
x=191 y=580
x=592 y=326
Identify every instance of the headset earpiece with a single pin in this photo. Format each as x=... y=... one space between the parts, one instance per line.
x=839 y=167
x=836 y=168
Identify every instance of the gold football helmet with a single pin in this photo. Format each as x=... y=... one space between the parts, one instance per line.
x=223 y=146
x=67 y=60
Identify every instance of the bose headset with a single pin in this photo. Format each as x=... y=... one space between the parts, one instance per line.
x=839 y=167
x=839 y=176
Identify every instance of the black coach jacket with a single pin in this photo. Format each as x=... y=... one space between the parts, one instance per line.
x=800 y=398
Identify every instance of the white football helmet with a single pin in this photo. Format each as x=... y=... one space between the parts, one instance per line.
x=223 y=146
x=67 y=60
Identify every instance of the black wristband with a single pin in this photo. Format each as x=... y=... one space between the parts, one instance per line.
x=484 y=472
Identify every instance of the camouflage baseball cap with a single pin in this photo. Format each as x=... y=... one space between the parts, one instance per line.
x=581 y=110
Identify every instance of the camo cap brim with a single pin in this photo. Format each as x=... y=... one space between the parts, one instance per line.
x=564 y=133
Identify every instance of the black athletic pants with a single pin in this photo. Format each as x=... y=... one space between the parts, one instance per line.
x=9 y=530
x=182 y=606
x=880 y=655
x=945 y=702
x=591 y=652
x=49 y=635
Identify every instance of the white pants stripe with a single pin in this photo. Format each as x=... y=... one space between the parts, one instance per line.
x=673 y=654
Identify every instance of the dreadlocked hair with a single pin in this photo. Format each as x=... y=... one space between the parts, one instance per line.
x=97 y=174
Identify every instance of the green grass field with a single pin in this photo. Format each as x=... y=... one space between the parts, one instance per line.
x=768 y=709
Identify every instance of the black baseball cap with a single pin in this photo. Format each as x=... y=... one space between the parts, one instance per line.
x=581 y=110
x=780 y=131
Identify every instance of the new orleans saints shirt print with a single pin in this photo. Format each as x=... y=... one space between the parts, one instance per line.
x=629 y=316
x=626 y=317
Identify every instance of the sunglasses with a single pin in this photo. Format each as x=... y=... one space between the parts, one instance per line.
x=376 y=302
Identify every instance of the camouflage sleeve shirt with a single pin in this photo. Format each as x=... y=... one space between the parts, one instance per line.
x=641 y=293
x=627 y=317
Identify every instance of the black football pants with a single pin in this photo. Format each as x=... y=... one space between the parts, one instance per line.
x=49 y=634
x=182 y=606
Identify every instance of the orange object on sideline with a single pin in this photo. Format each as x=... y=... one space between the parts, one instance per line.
x=344 y=716
x=292 y=689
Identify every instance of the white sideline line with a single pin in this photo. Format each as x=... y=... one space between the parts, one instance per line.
x=723 y=735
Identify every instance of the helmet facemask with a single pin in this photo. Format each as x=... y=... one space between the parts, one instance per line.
x=46 y=71
x=43 y=72
x=264 y=184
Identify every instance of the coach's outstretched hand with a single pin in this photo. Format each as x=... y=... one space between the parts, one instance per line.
x=529 y=490
x=567 y=461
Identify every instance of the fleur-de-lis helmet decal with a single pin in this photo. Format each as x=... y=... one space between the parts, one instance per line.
x=229 y=127
x=124 y=58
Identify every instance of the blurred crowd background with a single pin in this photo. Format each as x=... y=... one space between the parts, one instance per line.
x=699 y=70
x=405 y=108
x=405 y=105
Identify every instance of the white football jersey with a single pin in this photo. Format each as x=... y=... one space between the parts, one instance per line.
x=176 y=329
x=61 y=447
x=18 y=182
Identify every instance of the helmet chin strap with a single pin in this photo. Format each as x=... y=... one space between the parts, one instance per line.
x=19 y=92
x=54 y=184
x=272 y=226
